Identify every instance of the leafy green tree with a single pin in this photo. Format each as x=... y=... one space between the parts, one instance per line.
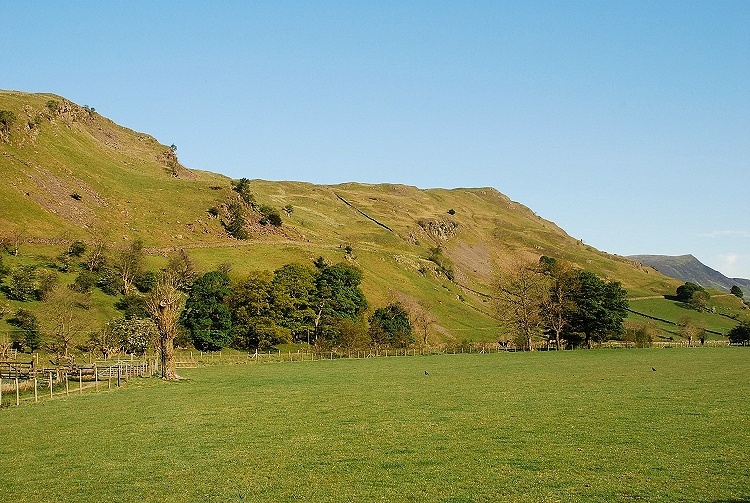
x=600 y=308
x=339 y=296
x=740 y=334
x=242 y=187
x=686 y=291
x=254 y=323
x=235 y=226
x=207 y=316
x=145 y=281
x=737 y=291
x=390 y=326
x=699 y=300
x=133 y=335
x=23 y=284
x=293 y=299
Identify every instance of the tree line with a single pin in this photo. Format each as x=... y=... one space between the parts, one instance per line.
x=550 y=300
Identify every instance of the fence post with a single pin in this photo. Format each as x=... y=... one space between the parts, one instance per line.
x=36 y=396
x=50 y=384
x=18 y=393
x=67 y=385
x=80 y=381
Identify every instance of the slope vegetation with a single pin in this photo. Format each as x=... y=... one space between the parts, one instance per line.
x=72 y=174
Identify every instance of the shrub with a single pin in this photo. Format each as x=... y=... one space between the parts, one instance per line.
x=46 y=283
x=109 y=281
x=7 y=119
x=52 y=106
x=270 y=215
x=84 y=282
x=23 y=283
x=740 y=334
x=77 y=248
x=145 y=281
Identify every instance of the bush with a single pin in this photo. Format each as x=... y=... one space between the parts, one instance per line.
x=109 y=281
x=84 y=282
x=145 y=281
x=740 y=334
x=685 y=292
x=46 y=283
x=23 y=283
x=77 y=248
x=133 y=306
x=270 y=215
x=7 y=119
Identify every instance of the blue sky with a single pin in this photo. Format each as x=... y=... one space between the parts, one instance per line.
x=626 y=123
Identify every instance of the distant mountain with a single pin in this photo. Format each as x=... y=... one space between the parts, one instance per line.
x=689 y=268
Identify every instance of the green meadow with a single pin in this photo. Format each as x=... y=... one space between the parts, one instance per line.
x=596 y=425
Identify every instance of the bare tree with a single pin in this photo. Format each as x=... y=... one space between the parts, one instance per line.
x=97 y=256
x=520 y=299
x=559 y=303
x=164 y=305
x=129 y=262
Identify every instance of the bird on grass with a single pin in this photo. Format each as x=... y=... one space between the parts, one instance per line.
x=426 y=373
x=653 y=369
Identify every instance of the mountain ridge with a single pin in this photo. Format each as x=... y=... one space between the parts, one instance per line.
x=688 y=268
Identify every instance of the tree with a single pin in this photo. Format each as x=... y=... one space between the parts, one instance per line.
x=600 y=308
x=23 y=283
x=164 y=304
x=293 y=299
x=690 y=330
x=699 y=300
x=737 y=291
x=686 y=291
x=254 y=322
x=129 y=262
x=390 y=326
x=97 y=257
x=559 y=306
x=7 y=119
x=77 y=248
x=235 y=226
x=740 y=334
x=184 y=269
x=242 y=187
x=339 y=297
x=46 y=283
x=520 y=296
x=207 y=316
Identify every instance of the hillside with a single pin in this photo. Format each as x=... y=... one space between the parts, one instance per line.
x=688 y=268
x=72 y=174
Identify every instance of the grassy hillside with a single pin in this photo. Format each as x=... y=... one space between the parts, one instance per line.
x=73 y=174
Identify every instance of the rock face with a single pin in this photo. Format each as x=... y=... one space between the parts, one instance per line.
x=439 y=229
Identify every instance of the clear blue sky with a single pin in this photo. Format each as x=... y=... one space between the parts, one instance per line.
x=626 y=123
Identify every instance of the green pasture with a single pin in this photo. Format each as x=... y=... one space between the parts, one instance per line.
x=674 y=311
x=596 y=425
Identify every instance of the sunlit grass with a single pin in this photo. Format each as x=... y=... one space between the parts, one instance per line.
x=568 y=426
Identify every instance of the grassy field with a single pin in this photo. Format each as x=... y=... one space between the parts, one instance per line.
x=570 y=426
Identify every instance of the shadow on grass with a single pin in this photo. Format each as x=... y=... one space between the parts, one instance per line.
x=733 y=500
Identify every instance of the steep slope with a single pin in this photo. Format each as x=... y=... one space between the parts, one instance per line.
x=71 y=174
x=689 y=268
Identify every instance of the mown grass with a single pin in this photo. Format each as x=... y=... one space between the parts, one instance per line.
x=568 y=426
